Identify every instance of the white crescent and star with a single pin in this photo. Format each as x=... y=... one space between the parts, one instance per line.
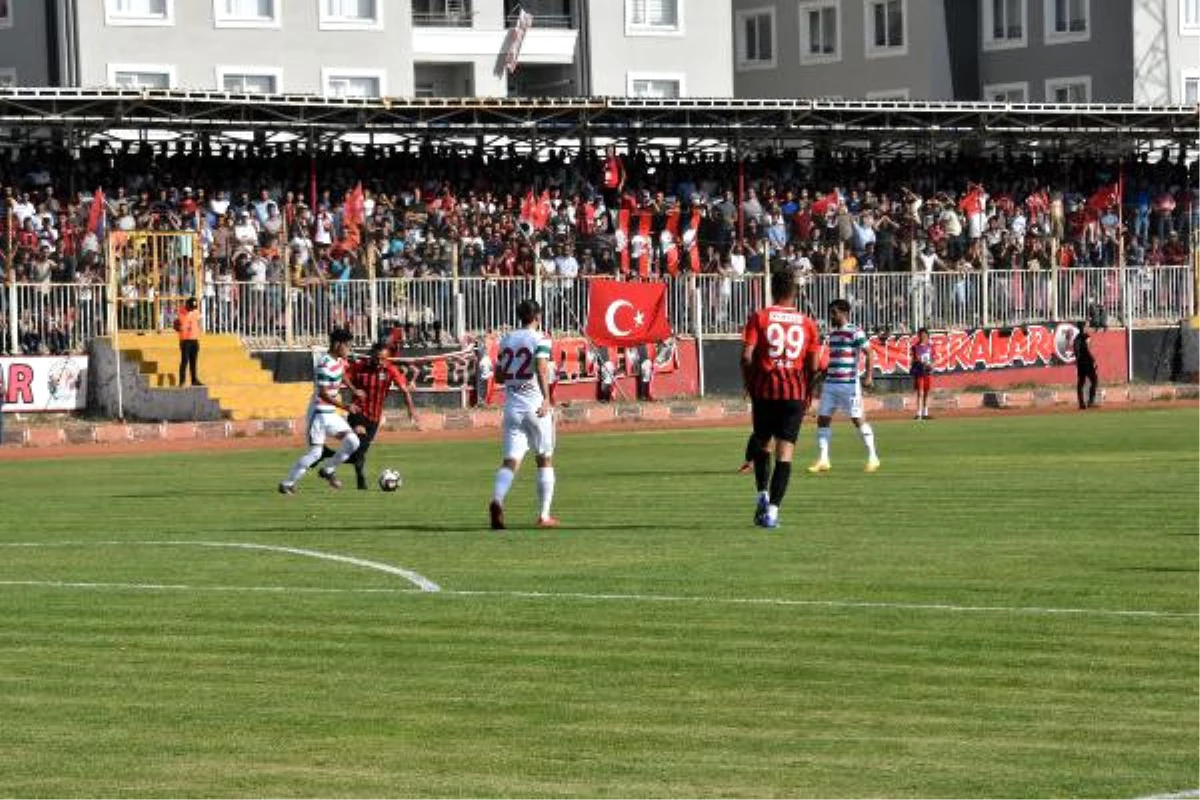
x=610 y=318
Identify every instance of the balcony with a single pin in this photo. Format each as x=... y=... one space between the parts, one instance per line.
x=546 y=13
x=442 y=14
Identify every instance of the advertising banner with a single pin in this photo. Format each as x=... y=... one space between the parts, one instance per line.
x=43 y=383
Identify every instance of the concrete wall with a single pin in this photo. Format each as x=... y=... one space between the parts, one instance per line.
x=924 y=70
x=139 y=401
x=702 y=50
x=25 y=46
x=298 y=47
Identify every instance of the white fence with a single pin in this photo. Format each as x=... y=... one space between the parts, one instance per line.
x=62 y=317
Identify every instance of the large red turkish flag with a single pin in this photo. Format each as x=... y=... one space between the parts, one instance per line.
x=625 y=314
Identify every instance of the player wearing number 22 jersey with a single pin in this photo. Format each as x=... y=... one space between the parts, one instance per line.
x=780 y=347
x=523 y=362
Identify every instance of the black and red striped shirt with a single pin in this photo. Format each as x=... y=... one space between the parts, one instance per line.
x=376 y=379
x=782 y=338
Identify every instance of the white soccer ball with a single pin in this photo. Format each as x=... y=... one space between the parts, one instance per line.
x=389 y=480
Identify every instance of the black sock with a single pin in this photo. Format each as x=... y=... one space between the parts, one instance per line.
x=779 y=481
x=327 y=453
x=762 y=469
x=751 y=448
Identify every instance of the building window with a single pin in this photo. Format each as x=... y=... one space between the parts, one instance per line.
x=250 y=80
x=246 y=13
x=1003 y=24
x=139 y=12
x=1189 y=17
x=1069 y=90
x=820 y=40
x=141 y=76
x=353 y=82
x=8 y=77
x=654 y=85
x=653 y=17
x=1191 y=87
x=6 y=13
x=351 y=14
x=756 y=39
x=1068 y=21
x=886 y=28
x=888 y=94
x=1006 y=93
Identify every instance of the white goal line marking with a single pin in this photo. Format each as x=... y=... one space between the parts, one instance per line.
x=420 y=581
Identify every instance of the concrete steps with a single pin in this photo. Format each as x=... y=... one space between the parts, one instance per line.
x=232 y=378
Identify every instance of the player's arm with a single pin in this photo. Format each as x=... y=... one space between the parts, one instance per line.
x=331 y=394
x=749 y=344
x=812 y=358
x=542 y=371
x=868 y=376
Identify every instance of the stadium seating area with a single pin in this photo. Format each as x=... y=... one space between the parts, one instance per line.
x=514 y=215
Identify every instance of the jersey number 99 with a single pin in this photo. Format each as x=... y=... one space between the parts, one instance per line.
x=785 y=341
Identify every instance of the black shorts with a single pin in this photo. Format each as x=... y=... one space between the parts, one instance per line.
x=777 y=419
x=356 y=421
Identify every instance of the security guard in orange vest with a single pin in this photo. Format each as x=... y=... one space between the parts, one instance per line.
x=188 y=326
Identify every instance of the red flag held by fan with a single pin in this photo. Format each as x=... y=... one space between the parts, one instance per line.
x=353 y=216
x=626 y=314
x=823 y=205
x=1105 y=197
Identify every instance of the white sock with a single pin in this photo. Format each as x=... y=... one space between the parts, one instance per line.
x=545 y=489
x=772 y=512
x=504 y=480
x=310 y=457
x=823 y=437
x=868 y=438
x=349 y=445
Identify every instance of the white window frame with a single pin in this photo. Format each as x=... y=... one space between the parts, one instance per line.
x=988 y=18
x=819 y=5
x=1185 y=28
x=11 y=73
x=328 y=73
x=740 y=44
x=327 y=22
x=1069 y=37
x=115 y=18
x=989 y=88
x=1054 y=83
x=654 y=30
x=162 y=69
x=224 y=70
x=678 y=77
x=221 y=20
x=901 y=94
x=7 y=20
x=1184 y=77
x=868 y=31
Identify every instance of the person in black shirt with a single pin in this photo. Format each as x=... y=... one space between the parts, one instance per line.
x=1085 y=364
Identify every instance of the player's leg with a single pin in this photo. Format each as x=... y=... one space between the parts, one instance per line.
x=787 y=419
x=920 y=403
x=825 y=413
x=514 y=444
x=1094 y=377
x=337 y=427
x=759 y=454
x=748 y=460
x=1081 y=380
x=183 y=361
x=316 y=441
x=926 y=384
x=541 y=434
x=865 y=431
x=366 y=431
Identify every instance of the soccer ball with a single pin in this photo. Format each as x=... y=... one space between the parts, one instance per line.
x=389 y=480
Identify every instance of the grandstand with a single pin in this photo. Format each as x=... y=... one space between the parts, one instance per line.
x=471 y=204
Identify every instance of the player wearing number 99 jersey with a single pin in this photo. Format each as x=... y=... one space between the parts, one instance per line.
x=780 y=348
x=522 y=366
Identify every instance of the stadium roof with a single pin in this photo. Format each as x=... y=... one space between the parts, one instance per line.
x=750 y=124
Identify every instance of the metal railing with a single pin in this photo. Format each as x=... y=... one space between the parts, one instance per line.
x=440 y=310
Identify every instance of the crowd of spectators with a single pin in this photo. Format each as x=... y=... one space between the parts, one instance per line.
x=277 y=216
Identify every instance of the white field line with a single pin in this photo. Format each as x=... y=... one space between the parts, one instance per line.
x=531 y=595
x=1186 y=794
x=420 y=581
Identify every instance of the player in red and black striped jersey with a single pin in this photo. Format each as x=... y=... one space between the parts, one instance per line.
x=780 y=353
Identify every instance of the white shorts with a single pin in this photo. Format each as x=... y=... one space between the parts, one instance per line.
x=844 y=397
x=325 y=423
x=524 y=430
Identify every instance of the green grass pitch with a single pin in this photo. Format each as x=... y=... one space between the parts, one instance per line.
x=1007 y=609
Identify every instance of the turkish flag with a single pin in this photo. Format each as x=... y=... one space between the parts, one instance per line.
x=627 y=314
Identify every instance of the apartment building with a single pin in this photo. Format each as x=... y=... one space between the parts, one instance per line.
x=372 y=47
x=1144 y=51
